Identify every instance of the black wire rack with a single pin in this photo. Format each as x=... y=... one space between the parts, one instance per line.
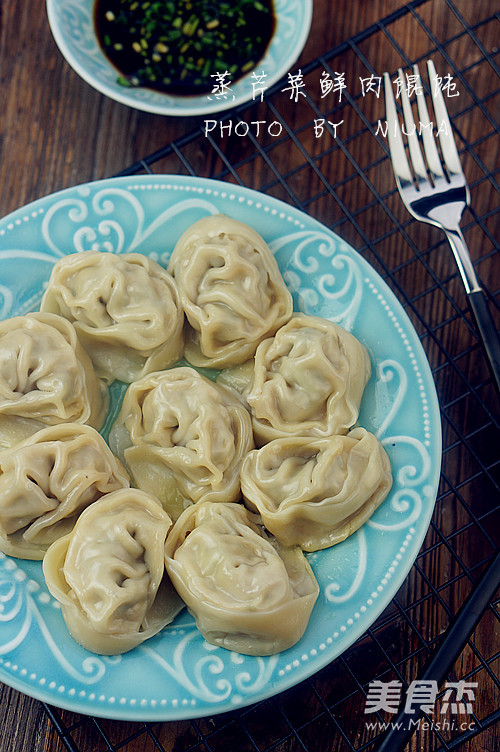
x=343 y=178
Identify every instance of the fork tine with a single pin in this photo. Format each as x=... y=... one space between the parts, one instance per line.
x=445 y=132
x=411 y=133
x=396 y=146
x=430 y=148
x=440 y=202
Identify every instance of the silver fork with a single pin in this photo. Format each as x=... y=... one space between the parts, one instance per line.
x=434 y=188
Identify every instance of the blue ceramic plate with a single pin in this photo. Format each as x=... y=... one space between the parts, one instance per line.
x=177 y=674
x=72 y=25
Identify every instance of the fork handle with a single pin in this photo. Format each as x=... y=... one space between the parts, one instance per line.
x=477 y=300
x=487 y=331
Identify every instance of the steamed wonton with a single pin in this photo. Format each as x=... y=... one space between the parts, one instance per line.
x=47 y=481
x=183 y=438
x=308 y=380
x=246 y=592
x=109 y=573
x=231 y=289
x=46 y=377
x=125 y=309
x=316 y=492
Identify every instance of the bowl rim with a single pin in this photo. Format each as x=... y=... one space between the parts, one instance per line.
x=176 y=104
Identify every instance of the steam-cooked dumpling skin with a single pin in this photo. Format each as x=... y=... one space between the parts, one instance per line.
x=246 y=592
x=308 y=380
x=47 y=480
x=183 y=438
x=231 y=289
x=46 y=378
x=316 y=492
x=125 y=309
x=109 y=573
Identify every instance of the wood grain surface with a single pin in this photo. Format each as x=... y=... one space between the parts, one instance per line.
x=56 y=131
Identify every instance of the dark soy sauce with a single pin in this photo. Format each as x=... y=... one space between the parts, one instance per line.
x=184 y=47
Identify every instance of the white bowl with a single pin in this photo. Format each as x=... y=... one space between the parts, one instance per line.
x=72 y=25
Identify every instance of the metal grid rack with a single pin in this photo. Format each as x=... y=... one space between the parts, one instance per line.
x=326 y=177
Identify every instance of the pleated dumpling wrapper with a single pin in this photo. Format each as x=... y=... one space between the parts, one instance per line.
x=46 y=378
x=182 y=438
x=316 y=492
x=231 y=289
x=125 y=309
x=47 y=480
x=109 y=576
x=307 y=380
x=246 y=592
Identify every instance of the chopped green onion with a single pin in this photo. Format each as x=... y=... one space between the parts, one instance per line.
x=181 y=45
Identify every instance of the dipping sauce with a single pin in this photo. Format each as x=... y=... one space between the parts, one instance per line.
x=183 y=46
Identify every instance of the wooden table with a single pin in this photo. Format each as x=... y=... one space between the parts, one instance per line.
x=56 y=131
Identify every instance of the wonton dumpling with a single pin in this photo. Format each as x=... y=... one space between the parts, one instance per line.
x=46 y=377
x=246 y=592
x=183 y=438
x=109 y=573
x=231 y=289
x=308 y=380
x=47 y=480
x=315 y=492
x=125 y=309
